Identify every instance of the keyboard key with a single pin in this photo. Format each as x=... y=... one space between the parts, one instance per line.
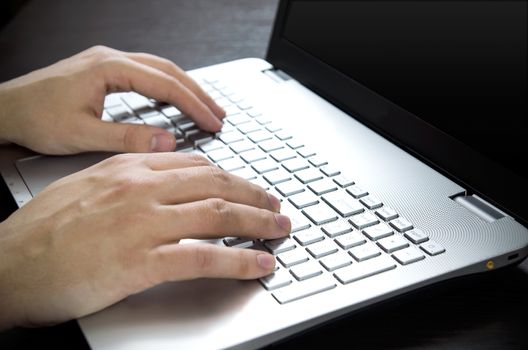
x=361 y=221
x=408 y=256
x=262 y=120
x=377 y=232
x=171 y=111
x=364 y=252
x=432 y=248
x=306 y=270
x=253 y=155
x=294 y=143
x=336 y=261
x=322 y=186
x=393 y=243
x=343 y=203
x=283 y=154
x=200 y=137
x=273 y=128
x=336 y=228
x=295 y=164
x=283 y=135
x=310 y=236
x=277 y=176
x=359 y=271
x=238 y=119
x=211 y=146
x=112 y=100
x=136 y=101
x=304 y=289
x=292 y=257
x=401 y=224
x=387 y=213
x=253 y=113
x=320 y=213
x=306 y=152
x=271 y=145
x=330 y=171
x=231 y=136
x=249 y=127
x=243 y=105
x=220 y=154
x=119 y=113
x=106 y=117
x=343 y=180
x=289 y=188
x=299 y=222
x=242 y=146
x=371 y=202
x=279 y=245
x=304 y=199
x=238 y=242
x=308 y=175
x=416 y=236
x=259 y=136
x=245 y=173
x=265 y=165
x=317 y=161
x=350 y=240
x=150 y=113
x=276 y=280
x=356 y=191
x=323 y=248
x=231 y=164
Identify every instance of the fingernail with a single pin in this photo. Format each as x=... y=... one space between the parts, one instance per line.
x=266 y=261
x=162 y=143
x=283 y=221
x=274 y=202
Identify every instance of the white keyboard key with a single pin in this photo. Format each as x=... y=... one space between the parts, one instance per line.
x=292 y=257
x=242 y=146
x=306 y=270
x=303 y=199
x=343 y=203
x=106 y=117
x=112 y=100
x=378 y=231
x=393 y=243
x=253 y=113
x=253 y=155
x=279 y=245
x=259 y=136
x=416 y=236
x=322 y=186
x=231 y=136
x=211 y=146
x=364 y=252
x=432 y=248
x=220 y=154
x=356 y=191
x=273 y=128
x=309 y=175
x=320 y=214
x=295 y=143
x=336 y=261
x=401 y=224
x=271 y=145
x=283 y=154
x=387 y=213
x=295 y=164
x=276 y=280
x=136 y=101
x=361 y=221
x=277 y=176
x=265 y=165
x=283 y=135
x=237 y=119
x=362 y=270
x=350 y=240
x=336 y=228
x=289 y=188
x=310 y=236
x=247 y=128
x=306 y=152
x=245 y=173
x=408 y=256
x=317 y=161
x=304 y=289
x=343 y=180
x=330 y=171
x=231 y=164
x=323 y=248
x=371 y=202
x=262 y=119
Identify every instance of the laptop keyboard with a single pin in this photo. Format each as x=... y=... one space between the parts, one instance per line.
x=341 y=233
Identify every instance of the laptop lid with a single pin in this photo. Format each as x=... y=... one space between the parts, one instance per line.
x=445 y=80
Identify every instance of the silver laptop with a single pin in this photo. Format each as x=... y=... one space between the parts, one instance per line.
x=392 y=131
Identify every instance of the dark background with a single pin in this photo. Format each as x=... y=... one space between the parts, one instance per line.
x=478 y=312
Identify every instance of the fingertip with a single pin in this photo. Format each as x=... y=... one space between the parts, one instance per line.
x=283 y=222
x=266 y=262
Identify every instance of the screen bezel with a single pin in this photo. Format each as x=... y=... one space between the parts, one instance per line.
x=500 y=186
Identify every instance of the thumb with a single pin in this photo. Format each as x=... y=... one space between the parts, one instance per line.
x=116 y=137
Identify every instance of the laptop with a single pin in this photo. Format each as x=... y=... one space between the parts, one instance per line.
x=392 y=131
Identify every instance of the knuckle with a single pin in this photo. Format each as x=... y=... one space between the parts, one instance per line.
x=217 y=211
x=220 y=178
x=198 y=160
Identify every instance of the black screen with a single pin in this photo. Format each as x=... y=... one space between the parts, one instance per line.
x=458 y=65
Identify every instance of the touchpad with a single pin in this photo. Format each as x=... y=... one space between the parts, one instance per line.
x=39 y=171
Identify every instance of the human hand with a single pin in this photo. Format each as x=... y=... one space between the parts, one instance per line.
x=94 y=237
x=57 y=109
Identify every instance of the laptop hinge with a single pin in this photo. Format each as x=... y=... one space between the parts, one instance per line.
x=479 y=207
x=276 y=75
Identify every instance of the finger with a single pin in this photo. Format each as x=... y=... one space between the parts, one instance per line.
x=175 y=160
x=216 y=217
x=198 y=183
x=117 y=137
x=198 y=260
x=122 y=74
x=172 y=69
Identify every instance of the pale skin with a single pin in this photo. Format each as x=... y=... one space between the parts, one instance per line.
x=92 y=238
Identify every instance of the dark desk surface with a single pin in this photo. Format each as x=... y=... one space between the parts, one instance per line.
x=484 y=312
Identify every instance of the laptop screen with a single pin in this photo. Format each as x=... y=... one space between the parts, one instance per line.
x=458 y=66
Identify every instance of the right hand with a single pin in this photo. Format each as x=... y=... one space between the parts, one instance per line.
x=92 y=238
